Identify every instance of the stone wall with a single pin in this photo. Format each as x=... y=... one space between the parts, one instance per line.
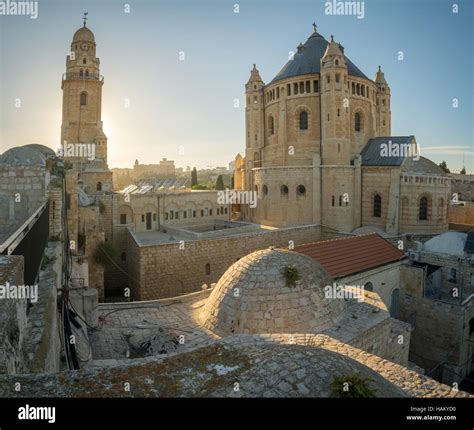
x=461 y=214
x=463 y=185
x=376 y=181
x=22 y=191
x=13 y=319
x=42 y=345
x=165 y=270
x=437 y=190
x=29 y=333
x=440 y=340
x=384 y=280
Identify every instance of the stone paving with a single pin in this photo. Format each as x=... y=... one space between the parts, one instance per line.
x=241 y=365
x=133 y=330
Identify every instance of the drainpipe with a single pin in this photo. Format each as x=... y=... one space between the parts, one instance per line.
x=158 y=210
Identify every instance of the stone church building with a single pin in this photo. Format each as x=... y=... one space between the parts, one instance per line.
x=319 y=150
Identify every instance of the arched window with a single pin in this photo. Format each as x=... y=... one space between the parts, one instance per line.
x=304 y=120
x=357 y=122
x=87 y=73
x=369 y=286
x=84 y=61
x=300 y=190
x=358 y=89
x=377 y=206
x=284 y=190
x=265 y=190
x=208 y=269
x=256 y=159
x=423 y=214
x=83 y=99
x=81 y=72
x=271 y=125
x=99 y=186
x=337 y=62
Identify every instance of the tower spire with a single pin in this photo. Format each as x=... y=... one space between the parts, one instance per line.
x=315 y=27
x=85 y=17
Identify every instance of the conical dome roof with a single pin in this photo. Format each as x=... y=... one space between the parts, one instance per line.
x=380 y=77
x=308 y=60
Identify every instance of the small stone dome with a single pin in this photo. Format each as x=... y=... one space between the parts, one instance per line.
x=83 y=35
x=254 y=296
x=22 y=156
x=45 y=151
x=449 y=243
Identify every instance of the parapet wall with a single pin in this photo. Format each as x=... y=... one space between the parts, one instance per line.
x=13 y=318
x=29 y=334
x=167 y=270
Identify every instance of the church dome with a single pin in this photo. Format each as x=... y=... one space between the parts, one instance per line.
x=254 y=296
x=83 y=35
x=22 y=156
x=308 y=60
x=422 y=166
x=45 y=151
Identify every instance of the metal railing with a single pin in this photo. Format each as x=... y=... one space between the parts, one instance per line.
x=29 y=241
x=90 y=77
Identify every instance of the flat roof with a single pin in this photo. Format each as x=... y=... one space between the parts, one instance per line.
x=177 y=234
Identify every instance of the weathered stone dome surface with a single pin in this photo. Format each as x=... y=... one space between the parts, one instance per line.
x=45 y=151
x=83 y=35
x=22 y=156
x=253 y=296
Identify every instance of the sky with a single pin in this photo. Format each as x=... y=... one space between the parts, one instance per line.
x=185 y=110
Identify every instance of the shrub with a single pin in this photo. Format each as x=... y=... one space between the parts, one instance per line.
x=291 y=275
x=351 y=386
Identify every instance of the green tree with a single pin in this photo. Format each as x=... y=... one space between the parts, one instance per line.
x=444 y=166
x=463 y=171
x=220 y=183
x=194 y=177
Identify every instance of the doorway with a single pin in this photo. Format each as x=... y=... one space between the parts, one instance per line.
x=148 y=220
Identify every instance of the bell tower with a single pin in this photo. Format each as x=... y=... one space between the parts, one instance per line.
x=335 y=140
x=82 y=101
x=384 y=115
x=254 y=114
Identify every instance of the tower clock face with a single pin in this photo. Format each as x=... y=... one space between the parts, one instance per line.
x=85 y=47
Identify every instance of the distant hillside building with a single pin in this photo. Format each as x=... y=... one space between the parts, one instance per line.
x=165 y=169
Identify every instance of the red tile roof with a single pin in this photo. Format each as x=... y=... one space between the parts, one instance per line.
x=349 y=255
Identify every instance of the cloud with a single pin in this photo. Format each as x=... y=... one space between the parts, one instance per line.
x=448 y=150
